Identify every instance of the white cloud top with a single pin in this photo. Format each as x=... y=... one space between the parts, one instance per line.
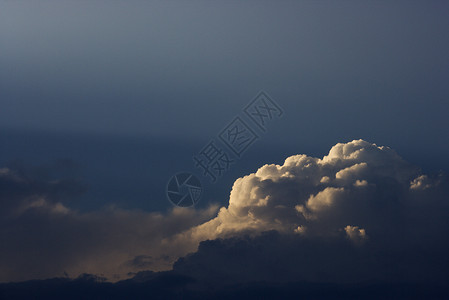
x=355 y=182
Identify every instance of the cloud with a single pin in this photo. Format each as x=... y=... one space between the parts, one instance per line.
x=356 y=183
x=43 y=237
x=356 y=234
x=421 y=183
x=24 y=188
x=320 y=202
x=359 y=213
x=360 y=195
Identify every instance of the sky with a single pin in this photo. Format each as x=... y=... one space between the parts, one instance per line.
x=101 y=103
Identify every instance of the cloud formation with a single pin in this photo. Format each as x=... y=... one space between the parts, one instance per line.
x=42 y=237
x=360 y=212
x=360 y=208
x=358 y=184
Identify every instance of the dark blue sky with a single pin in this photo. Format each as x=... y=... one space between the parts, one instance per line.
x=130 y=91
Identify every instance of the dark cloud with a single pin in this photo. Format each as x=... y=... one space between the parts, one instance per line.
x=274 y=257
x=21 y=185
x=169 y=285
x=42 y=236
x=141 y=261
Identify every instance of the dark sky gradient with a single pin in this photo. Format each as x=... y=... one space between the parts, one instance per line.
x=180 y=69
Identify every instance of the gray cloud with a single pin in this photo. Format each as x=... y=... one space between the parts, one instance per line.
x=43 y=237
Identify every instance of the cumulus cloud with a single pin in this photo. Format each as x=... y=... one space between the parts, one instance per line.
x=357 y=183
x=359 y=212
x=320 y=202
x=360 y=193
